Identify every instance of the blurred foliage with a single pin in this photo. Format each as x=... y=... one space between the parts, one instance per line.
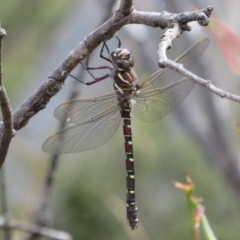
x=28 y=25
x=80 y=200
x=86 y=214
x=230 y=49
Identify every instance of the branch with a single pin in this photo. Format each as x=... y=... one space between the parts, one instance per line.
x=51 y=86
x=43 y=231
x=7 y=125
x=125 y=7
x=166 y=43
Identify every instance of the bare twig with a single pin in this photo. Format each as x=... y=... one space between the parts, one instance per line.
x=165 y=43
x=205 y=83
x=5 y=213
x=7 y=126
x=43 y=231
x=167 y=38
x=5 y=139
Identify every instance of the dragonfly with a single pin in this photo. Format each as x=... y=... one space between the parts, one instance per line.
x=95 y=120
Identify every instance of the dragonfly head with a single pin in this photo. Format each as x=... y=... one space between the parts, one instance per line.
x=122 y=59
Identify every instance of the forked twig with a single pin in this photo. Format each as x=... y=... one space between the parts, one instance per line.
x=166 y=43
x=51 y=86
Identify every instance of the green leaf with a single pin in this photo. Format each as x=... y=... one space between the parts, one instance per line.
x=207 y=229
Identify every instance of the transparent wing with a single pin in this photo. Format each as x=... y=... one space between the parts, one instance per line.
x=152 y=105
x=76 y=111
x=166 y=89
x=89 y=134
x=189 y=59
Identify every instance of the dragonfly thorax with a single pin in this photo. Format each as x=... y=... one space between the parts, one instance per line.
x=122 y=59
x=124 y=79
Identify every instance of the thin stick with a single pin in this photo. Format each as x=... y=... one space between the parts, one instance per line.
x=7 y=230
x=165 y=43
x=43 y=231
x=6 y=139
x=7 y=131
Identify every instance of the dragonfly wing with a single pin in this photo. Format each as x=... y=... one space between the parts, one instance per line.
x=76 y=111
x=189 y=59
x=89 y=134
x=153 y=104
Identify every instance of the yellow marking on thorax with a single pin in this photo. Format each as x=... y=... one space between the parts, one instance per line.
x=128 y=74
x=121 y=77
x=119 y=89
x=125 y=50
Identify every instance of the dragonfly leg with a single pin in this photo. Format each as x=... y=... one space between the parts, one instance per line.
x=106 y=46
x=91 y=82
x=119 y=41
x=94 y=68
x=101 y=52
x=87 y=68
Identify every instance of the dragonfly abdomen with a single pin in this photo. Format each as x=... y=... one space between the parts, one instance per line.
x=132 y=212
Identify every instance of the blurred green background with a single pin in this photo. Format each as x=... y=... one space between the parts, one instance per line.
x=197 y=139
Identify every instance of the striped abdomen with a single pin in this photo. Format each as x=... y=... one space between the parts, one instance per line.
x=132 y=213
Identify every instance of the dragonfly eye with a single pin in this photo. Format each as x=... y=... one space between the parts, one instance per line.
x=122 y=58
x=125 y=61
